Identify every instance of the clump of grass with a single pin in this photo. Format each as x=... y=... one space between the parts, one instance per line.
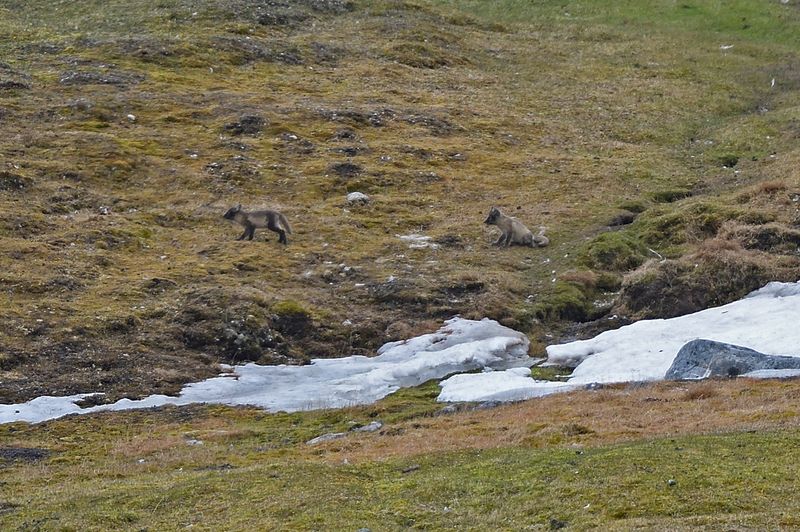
x=774 y=238
x=688 y=224
x=568 y=301
x=609 y=281
x=575 y=429
x=670 y=195
x=289 y=308
x=634 y=206
x=420 y=55
x=701 y=391
x=614 y=251
x=718 y=272
x=729 y=160
x=585 y=278
x=550 y=373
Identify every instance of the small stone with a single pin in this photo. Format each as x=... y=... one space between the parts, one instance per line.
x=357 y=197
x=486 y=405
x=449 y=409
x=372 y=427
x=326 y=437
x=411 y=468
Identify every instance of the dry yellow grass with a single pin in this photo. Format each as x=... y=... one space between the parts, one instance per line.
x=615 y=414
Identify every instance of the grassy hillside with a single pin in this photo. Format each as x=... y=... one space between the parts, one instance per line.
x=127 y=132
x=657 y=142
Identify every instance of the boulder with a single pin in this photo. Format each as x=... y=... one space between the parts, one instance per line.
x=700 y=359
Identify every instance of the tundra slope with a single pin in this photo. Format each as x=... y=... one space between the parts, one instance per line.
x=127 y=130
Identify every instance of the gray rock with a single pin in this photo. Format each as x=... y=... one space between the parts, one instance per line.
x=100 y=77
x=247 y=125
x=326 y=437
x=357 y=198
x=8 y=84
x=449 y=409
x=372 y=427
x=700 y=359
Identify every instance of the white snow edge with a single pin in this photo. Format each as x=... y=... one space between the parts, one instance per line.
x=460 y=345
x=766 y=321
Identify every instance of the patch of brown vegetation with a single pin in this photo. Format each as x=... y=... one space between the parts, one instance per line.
x=719 y=271
x=586 y=278
x=772 y=186
x=589 y=418
x=773 y=237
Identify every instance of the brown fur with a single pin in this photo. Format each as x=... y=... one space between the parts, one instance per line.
x=272 y=220
x=514 y=232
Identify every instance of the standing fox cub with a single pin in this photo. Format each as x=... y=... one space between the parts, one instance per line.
x=272 y=220
x=514 y=231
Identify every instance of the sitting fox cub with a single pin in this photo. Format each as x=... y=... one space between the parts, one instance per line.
x=272 y=220
x=514 y=232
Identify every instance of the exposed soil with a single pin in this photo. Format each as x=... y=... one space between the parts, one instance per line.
x=24 y=454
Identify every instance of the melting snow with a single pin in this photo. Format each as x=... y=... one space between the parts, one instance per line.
x=416 y=241
x=765 y=320
x=460 y=345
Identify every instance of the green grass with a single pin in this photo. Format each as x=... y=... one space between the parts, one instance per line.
x=254 y=470
x=758 y=22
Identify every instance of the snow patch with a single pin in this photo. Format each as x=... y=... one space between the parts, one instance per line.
x=513 y=384
x=772 y=374
x=765 y=320
x=416 y=241
x=460 y=345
